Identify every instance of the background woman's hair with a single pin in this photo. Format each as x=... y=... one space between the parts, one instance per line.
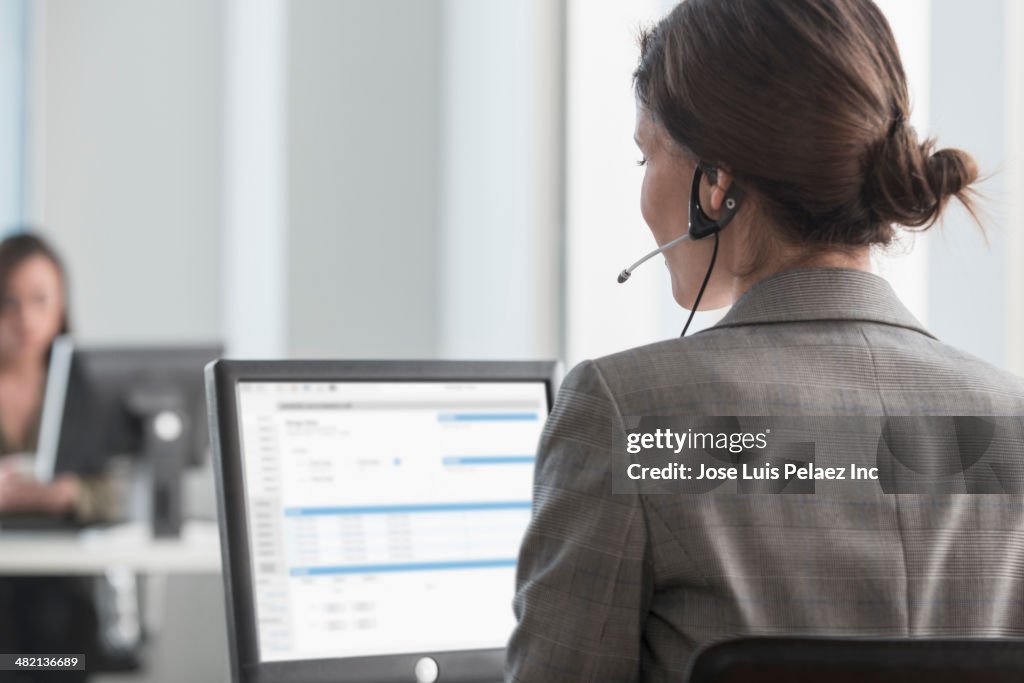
x=806 y=102
x=18 y=248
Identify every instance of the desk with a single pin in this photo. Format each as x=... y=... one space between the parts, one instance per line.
x=128 y=546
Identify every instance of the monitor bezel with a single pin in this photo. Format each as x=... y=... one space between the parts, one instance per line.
x=221 y=378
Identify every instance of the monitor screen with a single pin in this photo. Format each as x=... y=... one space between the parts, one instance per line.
x=386 y=517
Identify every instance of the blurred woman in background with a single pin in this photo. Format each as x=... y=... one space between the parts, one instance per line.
x=39 y=614
x=33 y=312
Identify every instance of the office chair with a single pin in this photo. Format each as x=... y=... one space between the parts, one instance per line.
x=803 y=660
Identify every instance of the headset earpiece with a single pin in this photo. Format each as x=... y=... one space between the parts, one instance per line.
x=702 y=225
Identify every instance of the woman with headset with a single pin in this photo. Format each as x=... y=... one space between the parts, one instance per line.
x=778 y=151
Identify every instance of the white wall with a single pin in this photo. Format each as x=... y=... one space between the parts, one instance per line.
x=423 y=183
x=363 y=178
x=255 y=240
x=605 y=231
x=126 y=161
x=1014 y=83
x=13 y=26
x=905 y=263
x=969 y=108
x=502 y=159
x=419 y=202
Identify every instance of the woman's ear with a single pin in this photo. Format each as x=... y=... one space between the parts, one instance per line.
x=723 y=181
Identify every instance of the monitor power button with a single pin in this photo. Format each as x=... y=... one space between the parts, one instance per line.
x=426 y=670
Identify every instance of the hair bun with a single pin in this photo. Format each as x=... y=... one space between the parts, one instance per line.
x=908 y=183
x=950 y=172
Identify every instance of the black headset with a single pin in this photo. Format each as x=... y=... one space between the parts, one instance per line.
x=702 y=225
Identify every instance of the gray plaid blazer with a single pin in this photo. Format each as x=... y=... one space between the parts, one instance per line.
x=619 y=587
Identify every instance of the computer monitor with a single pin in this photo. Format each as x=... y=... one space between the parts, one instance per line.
x=143 y=401
x=371 y=514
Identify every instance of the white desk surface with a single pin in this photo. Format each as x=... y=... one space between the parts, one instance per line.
x=129 y=546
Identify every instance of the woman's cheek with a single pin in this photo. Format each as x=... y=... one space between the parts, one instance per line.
x=652 y=206
x=645 y=203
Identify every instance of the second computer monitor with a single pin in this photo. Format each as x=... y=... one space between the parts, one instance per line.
x=144 y=401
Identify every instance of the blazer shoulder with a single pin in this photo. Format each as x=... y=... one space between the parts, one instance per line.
x=969 y=364
x=899 y=355
x=642 y=361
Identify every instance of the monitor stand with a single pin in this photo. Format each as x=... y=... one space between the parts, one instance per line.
x=165 y=439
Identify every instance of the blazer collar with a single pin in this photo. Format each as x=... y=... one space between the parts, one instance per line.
x=807 y=294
